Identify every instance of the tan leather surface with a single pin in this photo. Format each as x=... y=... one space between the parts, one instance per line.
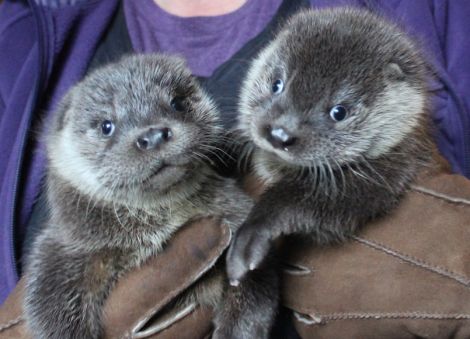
x=406 y=275
x=146 y=290
x=195 y=325
x=12 y=323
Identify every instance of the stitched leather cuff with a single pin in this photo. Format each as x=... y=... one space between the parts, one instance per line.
x=406 y=275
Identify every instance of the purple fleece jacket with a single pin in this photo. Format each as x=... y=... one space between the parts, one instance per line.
x=46 y=45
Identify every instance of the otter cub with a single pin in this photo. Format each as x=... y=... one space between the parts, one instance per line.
x=127 y=167
x=336 y=110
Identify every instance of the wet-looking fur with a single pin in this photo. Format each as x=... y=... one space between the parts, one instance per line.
x=128 y=152
x=335 y=113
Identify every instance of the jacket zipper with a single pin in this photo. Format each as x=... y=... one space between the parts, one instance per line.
x=30 y=107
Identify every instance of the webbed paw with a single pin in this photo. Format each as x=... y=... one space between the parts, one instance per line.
x=247 y=251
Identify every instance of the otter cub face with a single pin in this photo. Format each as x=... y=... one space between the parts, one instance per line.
x=133 y=130
x=335 y=86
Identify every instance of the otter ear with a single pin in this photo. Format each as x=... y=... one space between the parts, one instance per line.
x=60 y=115
x=394 y=72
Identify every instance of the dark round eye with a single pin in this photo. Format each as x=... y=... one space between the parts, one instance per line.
x=338 y=113
x=107 y=128
x=177 y=104
x=278 y=86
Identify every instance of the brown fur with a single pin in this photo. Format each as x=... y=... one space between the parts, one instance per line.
x=114 y=200
x=326 y=177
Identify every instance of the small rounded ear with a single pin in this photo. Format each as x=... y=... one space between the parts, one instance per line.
x=394 y=72
x=60 y=113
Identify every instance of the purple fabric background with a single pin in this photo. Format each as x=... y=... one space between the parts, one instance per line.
x=46 y=49
x=204 y=42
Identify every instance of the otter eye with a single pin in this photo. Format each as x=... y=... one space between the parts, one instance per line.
x=177 y=104
x=338 y=113
x=107 y=128
x=278 y=86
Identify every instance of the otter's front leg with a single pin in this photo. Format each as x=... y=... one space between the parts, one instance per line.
x=66 y=289
x=268 y=219
x=287 y=208
x=248 y=310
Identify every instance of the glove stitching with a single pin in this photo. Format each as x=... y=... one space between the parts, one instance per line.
x=440 y=196
x=295 y=269
x=414 y=261
x=324 y=318
x=11 y=323
x=398 y=315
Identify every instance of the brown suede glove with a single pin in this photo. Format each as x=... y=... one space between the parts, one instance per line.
x=135 y=308
x=404 y=276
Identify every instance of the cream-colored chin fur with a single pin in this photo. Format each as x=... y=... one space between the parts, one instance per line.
x=263 y=168
x=70 y=164
x=74 y=168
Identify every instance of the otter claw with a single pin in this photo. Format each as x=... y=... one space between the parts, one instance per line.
x=247 y=251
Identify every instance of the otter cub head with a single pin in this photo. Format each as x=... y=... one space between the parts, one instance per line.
x=133 y=130
x=335 y=86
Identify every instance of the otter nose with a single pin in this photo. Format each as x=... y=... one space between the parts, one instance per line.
x=153 y=138
x=279 y=137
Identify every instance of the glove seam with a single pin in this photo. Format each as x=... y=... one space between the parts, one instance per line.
x=463 y=280
x=152 y=311
x=11 y=323
x=318 y=318
x=440 y=196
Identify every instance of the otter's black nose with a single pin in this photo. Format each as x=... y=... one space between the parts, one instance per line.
x=153 y=138
x=279 y=137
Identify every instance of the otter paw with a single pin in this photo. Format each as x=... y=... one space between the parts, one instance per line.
x=247 y=251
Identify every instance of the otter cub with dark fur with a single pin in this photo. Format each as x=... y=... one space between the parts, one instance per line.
x=336 y=109
x=127 y=153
